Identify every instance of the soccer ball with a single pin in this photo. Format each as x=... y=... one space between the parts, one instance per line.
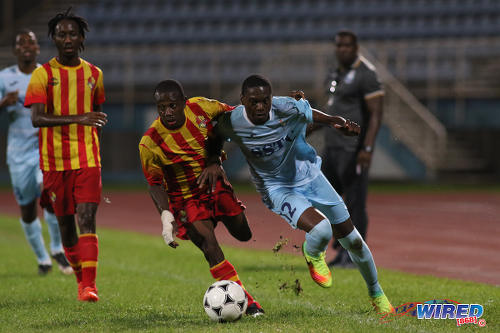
x=225 y=301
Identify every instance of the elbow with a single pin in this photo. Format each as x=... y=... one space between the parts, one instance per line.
x=35 y=122
x=37 y=115
x=36 y=119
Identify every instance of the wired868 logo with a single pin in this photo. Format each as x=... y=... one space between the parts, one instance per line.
x=440 y=309
x=463 y=313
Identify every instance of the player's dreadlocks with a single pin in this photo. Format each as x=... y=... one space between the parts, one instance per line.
x=68 y=15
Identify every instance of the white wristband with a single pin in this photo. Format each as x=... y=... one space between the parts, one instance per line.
x=167 y=218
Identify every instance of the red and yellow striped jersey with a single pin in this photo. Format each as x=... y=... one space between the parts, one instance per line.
x=67 y=91
x=176 y=158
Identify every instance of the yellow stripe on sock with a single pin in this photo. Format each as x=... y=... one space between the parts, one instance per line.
x=88 y=235
x=235 y=279
x=218 y=265
x=77 y=265
x=86 y=264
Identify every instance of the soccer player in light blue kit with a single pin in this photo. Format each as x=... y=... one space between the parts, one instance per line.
x=285 y=169
x=22 y=154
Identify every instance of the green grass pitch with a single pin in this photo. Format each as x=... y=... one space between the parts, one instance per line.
x=146 y=286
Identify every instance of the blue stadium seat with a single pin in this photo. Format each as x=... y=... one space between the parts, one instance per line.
x=294 y=20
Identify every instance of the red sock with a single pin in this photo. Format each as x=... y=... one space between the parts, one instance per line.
x=88 y=251
x=225 y=271
x=73 y=256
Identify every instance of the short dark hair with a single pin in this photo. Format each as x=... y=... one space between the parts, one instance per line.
x=23 y=31
x=255 y=80
x=169 y=86
x=68 y=15
x=347 y=33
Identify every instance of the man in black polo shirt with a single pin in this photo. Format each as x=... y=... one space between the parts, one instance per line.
x=355 y=93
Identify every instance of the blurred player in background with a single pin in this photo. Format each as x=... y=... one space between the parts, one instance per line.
x=355 y=92
x=173 y=156
x=22 y=154
x=270 y=132
x=65 y=96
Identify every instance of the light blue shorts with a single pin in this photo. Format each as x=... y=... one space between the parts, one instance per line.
x=26 y=181
x=291 y=202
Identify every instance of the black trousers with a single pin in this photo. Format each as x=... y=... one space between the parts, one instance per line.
x=339 y=167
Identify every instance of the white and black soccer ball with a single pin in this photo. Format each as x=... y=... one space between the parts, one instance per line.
x=225 y=301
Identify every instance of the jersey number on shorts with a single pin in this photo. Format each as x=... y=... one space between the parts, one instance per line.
x=287 y=211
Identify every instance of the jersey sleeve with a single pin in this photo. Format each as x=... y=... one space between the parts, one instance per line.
x=37 y=88
x=305 y=109
x=293 y=108
x=370 y=85
x=99 y=96
x=151 y=169
x=211 y=107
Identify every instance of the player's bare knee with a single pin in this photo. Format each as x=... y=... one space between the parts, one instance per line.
x=29 y=212
x=86 y=221
x=238 y=227
x=243 y=234
x=86 y=217
x=244 y=237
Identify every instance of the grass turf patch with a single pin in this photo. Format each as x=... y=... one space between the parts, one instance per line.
x=146 y=286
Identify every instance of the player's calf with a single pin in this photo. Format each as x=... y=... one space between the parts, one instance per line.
x=362 y=257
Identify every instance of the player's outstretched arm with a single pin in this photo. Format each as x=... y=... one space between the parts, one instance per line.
x=169 y=227
x=40 y=118
x=346 y=126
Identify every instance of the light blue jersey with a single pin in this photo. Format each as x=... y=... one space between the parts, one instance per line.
x=276 y=151
x=22 y=140
x=285 y=168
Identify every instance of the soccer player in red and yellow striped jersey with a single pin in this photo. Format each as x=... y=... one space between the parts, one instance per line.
x=65 y=96
x=173 y=154
x=67 y=91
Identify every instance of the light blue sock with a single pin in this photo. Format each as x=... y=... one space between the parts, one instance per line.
x=55 y=234
x=33 y=232
x=361 y=255
x=318 y=237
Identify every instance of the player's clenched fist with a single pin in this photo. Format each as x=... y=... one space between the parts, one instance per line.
x=96 y=119
x=169 y=228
